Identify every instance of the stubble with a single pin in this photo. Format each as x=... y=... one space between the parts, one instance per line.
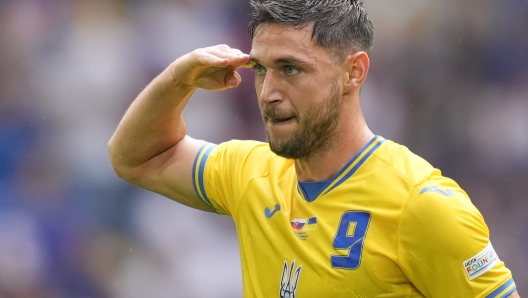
x=315 y=130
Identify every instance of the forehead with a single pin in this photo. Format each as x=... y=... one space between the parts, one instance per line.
x=274 y=41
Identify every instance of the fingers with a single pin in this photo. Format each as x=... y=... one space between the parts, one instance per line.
x=222 y=56
x=207 y=59
x=212 y=68
x=248 y=64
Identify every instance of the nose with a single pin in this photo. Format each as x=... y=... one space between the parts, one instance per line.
x=269 y=88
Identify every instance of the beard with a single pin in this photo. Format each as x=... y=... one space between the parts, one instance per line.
x=314 y=130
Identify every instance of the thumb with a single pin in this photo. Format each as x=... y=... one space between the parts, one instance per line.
x=233 y=79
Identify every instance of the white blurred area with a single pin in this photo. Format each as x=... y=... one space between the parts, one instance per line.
x=448 y=79
x=183 y=253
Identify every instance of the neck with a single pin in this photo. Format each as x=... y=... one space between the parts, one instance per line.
x=350 y=135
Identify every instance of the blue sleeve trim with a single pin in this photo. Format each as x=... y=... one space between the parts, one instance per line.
x=501 y=289
x=198 y=173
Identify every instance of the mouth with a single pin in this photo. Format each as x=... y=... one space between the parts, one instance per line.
x=279 y=120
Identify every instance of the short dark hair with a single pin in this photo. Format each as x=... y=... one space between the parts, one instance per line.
x=339 y=25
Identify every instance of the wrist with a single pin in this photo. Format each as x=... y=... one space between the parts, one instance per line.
x=169 y=75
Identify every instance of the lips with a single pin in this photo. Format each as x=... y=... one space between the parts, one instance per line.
x=279 y=120
x=277 y=116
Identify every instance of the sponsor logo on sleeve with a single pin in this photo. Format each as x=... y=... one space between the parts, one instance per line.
x=447 y=192
x=481 y=263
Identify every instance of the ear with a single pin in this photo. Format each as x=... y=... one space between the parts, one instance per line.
x=356 y=66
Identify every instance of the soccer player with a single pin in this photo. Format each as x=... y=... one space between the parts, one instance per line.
x=327 y=208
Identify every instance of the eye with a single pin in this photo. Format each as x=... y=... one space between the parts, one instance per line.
x=259 y=69
x=291 y=70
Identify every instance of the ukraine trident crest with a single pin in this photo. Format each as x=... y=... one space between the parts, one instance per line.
x=289 y=280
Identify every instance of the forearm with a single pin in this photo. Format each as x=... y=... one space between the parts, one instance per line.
x=152 y=124
x=148 y=139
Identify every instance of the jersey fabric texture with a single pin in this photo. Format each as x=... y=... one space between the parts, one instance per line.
x=387 y=225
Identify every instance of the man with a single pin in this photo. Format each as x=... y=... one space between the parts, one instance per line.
x=327 y=209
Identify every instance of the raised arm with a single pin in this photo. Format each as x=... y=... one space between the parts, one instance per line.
x=150 y=148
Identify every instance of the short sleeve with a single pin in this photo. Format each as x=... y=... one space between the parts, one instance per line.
x=221 y=172
x=444 y=246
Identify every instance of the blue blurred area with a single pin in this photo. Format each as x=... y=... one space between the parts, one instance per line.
x=449 y=79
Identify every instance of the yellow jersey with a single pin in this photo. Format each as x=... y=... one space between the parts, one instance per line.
x=387 y=224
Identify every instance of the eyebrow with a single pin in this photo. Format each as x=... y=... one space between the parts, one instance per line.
x=281 y=60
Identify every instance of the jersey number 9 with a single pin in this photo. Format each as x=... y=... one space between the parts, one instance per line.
x=350 y=236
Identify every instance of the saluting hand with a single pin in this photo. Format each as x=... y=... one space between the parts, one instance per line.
x=211 y=68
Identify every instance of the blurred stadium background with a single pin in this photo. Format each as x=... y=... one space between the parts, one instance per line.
x=449 y=79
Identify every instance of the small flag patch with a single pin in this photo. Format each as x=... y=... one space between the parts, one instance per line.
x=304 y=223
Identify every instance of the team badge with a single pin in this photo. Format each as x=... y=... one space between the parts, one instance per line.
x=289 y=280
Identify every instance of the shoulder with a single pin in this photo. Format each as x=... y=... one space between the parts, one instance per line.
x=221 y=172
x=244 y=149
x=440 y=200
x=435 y=207
x=440 y=219
x=439 y=229
x=435 y=204
x=243 y=157
x=236 y=150
x=399 y=160
x=443 y=239
x=242 y=146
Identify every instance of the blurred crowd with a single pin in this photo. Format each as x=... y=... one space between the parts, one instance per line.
x=448 y=79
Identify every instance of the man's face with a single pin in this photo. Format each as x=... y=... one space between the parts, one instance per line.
x=298 y=91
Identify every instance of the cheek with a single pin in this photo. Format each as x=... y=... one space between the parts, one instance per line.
x=310 y=94
x=314 y=98
x=315 y=88
x=258 y=83
x=258 y=89
x=260 y=79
